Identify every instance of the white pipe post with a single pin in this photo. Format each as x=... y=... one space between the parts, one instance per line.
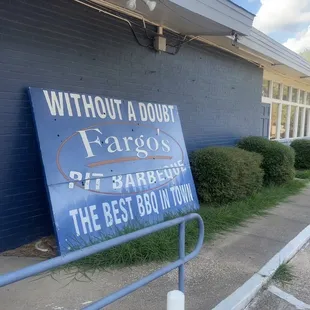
x=175 y=300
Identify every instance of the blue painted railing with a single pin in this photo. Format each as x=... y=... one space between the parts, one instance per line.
x=33 y=270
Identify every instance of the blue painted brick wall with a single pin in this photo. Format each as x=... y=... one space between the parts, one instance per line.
x=63 y=45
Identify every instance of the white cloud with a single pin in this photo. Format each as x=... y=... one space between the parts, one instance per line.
x=300 y=43
x=277 y=15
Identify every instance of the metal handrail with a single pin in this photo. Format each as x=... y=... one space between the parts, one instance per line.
x=36 y=269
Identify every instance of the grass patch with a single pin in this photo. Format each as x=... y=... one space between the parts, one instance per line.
x=163 y=246
x=284 y=274
x=303 y=174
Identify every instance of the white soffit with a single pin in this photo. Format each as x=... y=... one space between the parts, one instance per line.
x=273 y=56
x=280 y=55
x=210 y=19
x=195 y=17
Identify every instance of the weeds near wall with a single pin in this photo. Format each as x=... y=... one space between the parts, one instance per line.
x=284 y=274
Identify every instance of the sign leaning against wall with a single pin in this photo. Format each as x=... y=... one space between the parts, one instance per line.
x=110 y=164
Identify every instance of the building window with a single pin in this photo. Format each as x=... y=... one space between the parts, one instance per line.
x=276 y=90
x=266 y=85
x=293 y=112
x=274 y=119
x=286 y=92
x=294 y=117
x=283 y=121
x=294 y=94
x=301 y=98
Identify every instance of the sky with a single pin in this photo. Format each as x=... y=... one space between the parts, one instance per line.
x=287 y=21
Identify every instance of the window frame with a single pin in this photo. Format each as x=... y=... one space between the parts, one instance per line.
x=302 y=112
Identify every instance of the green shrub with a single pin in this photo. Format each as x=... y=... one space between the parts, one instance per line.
x=302 y=150
x=224 y=174
x=303 y=174
x=278 y=159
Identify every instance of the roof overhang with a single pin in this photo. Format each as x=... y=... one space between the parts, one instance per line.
x=268 y=53
x=195 y=17
x=276 y=52
x=211 y=21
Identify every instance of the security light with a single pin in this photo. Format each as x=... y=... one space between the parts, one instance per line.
x=151 y=4
x=131 y=5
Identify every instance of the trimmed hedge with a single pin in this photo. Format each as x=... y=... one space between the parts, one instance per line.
x=224 y=174
x=302 y=150
x=278 y=159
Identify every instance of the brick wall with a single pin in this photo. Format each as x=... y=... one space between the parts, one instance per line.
x=63 y=45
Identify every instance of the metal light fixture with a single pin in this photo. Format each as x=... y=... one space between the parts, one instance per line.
x=132 y=4
x=151 y=4
x=234 y=38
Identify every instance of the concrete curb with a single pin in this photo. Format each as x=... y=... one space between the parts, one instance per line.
x=239 y=299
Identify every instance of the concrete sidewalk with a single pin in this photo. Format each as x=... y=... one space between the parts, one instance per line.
x=219 y=270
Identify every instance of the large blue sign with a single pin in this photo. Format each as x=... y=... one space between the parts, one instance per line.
x=110 y=165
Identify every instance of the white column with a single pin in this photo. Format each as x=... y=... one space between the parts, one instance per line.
x=296 y=123
x=281 y=91
x=303 y=120
x=279 y=118
x=298 y=95
x=289 y=109
x=288 y=122
x=270 y=89
x=308 y=122
x=270 y=123
x=290 y=94
x=270 y=94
